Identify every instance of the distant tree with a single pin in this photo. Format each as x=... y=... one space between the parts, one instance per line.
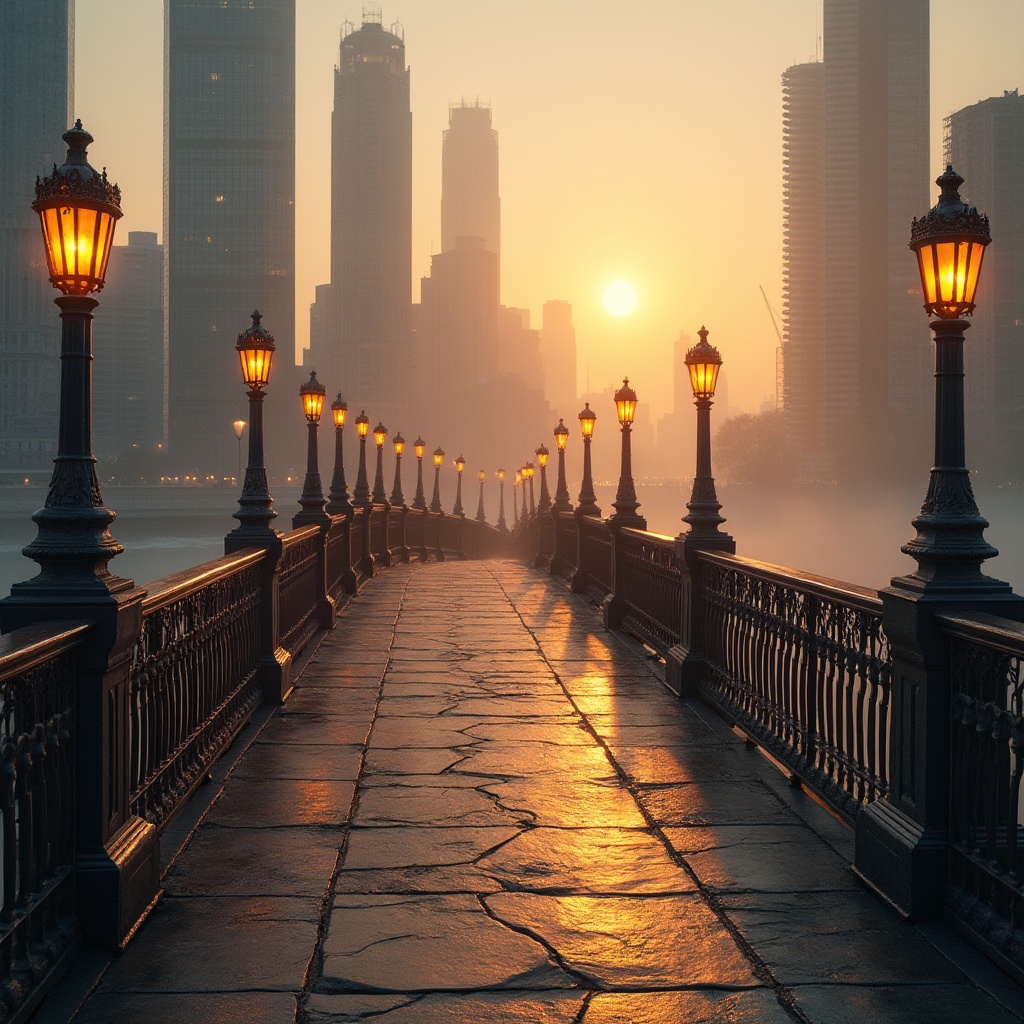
x=753 y=449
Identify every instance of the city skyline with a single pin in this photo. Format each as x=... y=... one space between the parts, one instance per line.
x=691 y=216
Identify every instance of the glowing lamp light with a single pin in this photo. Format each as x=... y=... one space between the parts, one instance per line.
x=703 y=362
x=625 y=403
x=561 y=435
x=949 y=241
x=312 y=394
x=77 y=209
x=460 y=464
x=419 y=444
x=339 y=407
x=528 y=471
x=501 y=476
x=542 y=456
x=399 y=443
x=519 y=478
x=255 y=348
x=587 y=418
x=380 y=434
x=239 y=426
x=483 y=475
x=362 y=424
x=438 y=457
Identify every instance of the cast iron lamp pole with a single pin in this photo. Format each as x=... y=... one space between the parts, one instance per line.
x=516 y=484
x=312 y=394
x=339 y=502
x=255 y=347
x=561 y=502
x=587 y=504
x=457 y=510
x=480 y=516
x=435 y=500
x=625 y=503
x=361 y=498
x=397 y=498
x=703 y=362
x=542 y=454
x=502 y=524
x=380 y=435
x=78 y=208
x=239 y=426
x=420 y=500
x=528 y=475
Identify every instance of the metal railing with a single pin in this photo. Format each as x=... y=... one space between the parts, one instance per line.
x=564 y=557
x=595 y=553
x=301 y=576
x=651 y=587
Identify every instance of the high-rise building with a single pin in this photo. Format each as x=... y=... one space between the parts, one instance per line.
x=984 y=143
x=360 y=324
x=129 y=371
x=558 y=349
x=229 y=213
x=470 y=204
x=858 y=366
x=37 y=97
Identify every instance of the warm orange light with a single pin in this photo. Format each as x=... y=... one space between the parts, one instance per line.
x=312 y=395
x=339 y=407
x=239 y=426
x=501 y=476
x=587 y=418
x=482 y=474
x=703 y=362
x=255 y=348
x=542 y=456
x=625 y=403
x=561 y=435
x=519 y=477
x=438 y=457
x=362 y=424
x=419 y=444
x=399 y=442
x=528 y=471
x=380 y=434
x=460 y=464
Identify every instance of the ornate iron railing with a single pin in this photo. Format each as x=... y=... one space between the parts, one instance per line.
x=595 y=556
x=378 y=531
x=803 y=665
x=565 y=542
x=38 y=927
x=300 y=587
x=339 y=558
x=651 y=587
x=193 y=679
x=986 y=820
x=396 y=531
x=451 y=531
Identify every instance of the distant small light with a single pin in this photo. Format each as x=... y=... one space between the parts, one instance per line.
x=219 y=199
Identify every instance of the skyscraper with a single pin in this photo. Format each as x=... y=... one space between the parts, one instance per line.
x=229 y=213
x=37 y=97
x=558 y=348
x=985 y=145
x=360 y=325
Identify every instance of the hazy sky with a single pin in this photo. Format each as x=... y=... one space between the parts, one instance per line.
x=639 y=139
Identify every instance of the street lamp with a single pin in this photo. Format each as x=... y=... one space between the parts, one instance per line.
x=502 y=524
x=516 y=484
x=312 y=394
x=435 y=501
x=239 y=426
x=703 y=361
x=380 y=435
x=420 y=500
x=625 y=503
x=361 y=499
x=542 y=460
x=460 y=465
x=528 y=476
x=561 y=502
x=950 y=243
x=480 y=517
x=78 y=208
x=397 y=498
x=339 y=500
x=587 y=504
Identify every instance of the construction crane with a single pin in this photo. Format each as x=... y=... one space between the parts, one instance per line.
x=778 y=351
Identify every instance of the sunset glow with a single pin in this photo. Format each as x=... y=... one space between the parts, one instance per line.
x=619 y=298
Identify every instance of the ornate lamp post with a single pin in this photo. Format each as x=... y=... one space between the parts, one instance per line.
x=528 y=476
x=625 y=503
x=703 y=362
x=516 y=484
x=338 y=502
x=420 y=500
x=380 y=435
x=397 y=498
x=587 y=504
x=435 y=501
x=312 y=394
x=255 y=347
x=561 y=502
x=361 y=499
x=542 y=460
x=502 y=524
x=78 y=208
x=480 y=516
x=239 y=426
x=460 y=465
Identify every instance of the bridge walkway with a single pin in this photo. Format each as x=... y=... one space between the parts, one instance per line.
x=477 y=806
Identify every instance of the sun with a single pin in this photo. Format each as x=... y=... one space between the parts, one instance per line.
x=619 y=298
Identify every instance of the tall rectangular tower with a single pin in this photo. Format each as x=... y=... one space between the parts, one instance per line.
x=360 y=325
x=37 y=98
x=229 y=211
x=985 y=145
x=558 y=347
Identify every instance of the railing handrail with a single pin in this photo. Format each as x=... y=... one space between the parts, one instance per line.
x=298 y=535
x=24 y=649
x=169 y=589
x=648 y=536
x=861 y=598
x=990 y=630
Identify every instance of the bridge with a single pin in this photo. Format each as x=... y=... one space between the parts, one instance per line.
x=396 y=764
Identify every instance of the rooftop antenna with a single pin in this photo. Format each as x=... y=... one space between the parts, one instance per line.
x=397 y=29
x=818 y=44
x=372 y=12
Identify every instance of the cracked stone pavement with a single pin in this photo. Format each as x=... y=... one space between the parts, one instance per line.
x=477 y=806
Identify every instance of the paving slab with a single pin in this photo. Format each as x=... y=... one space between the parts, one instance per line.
x=447 y=1008
x=272 y=803
x=184 y=1008
x=758 y=1006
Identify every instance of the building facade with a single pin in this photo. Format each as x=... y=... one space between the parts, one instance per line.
x=37 y=97
x=360 y=324
x=985 y=145
x=229 y=215
x=558 y=350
